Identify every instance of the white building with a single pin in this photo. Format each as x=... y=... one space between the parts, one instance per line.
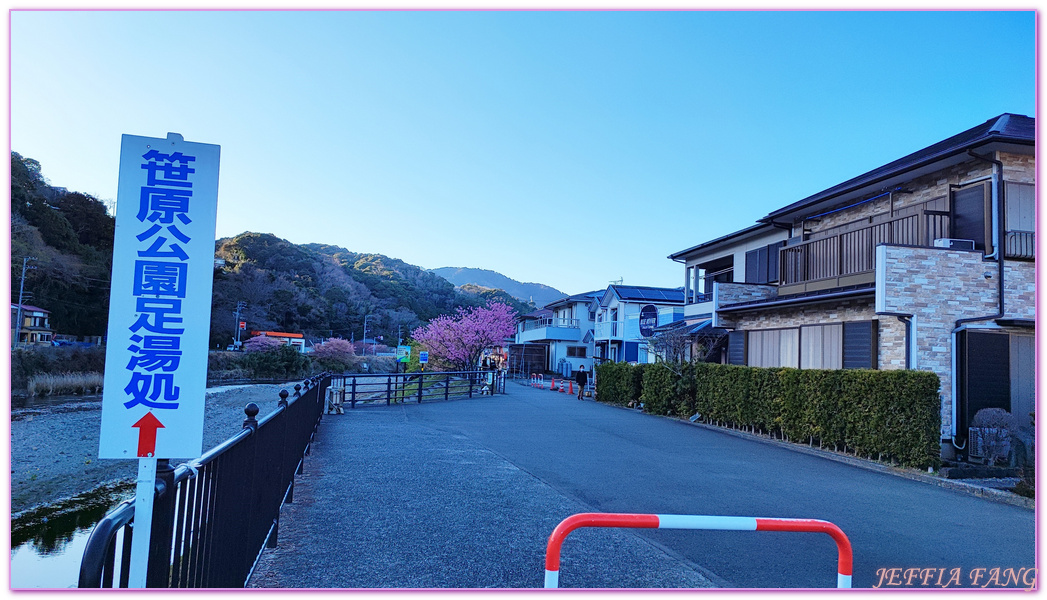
x=557 y=338
x=626 y=315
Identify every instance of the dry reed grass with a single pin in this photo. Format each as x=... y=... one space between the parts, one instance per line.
x=49 y=384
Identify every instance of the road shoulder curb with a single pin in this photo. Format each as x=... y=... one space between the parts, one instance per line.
x=957 y=485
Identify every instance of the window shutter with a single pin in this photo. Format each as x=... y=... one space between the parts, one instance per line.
x=968 y=215
x=774 y=250
x=736 y=348
x=985 y=380
x=752 y=266
x=860 y=345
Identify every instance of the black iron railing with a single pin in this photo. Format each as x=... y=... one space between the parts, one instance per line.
x=213 y=516
x=413 y=387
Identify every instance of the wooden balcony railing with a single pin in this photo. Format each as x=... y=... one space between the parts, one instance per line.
x=849 y=257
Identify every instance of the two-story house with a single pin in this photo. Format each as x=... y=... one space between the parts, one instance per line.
x=923 y=263
x=35 y=327
x=626 y=316
x=557 y=338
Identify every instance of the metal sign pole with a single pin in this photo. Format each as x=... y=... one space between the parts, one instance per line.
x=143 y=523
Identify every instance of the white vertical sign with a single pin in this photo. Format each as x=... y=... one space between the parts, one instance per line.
x=160 y=301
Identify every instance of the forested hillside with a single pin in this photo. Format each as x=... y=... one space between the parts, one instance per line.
x=316 y=289
x=69 y=237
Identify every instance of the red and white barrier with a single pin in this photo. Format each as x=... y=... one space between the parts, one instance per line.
x=552 y=550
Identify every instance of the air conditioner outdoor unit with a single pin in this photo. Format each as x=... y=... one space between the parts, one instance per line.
x=954 y=244
x=984 y=441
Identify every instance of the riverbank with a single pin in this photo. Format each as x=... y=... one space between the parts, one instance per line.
x=54 y=446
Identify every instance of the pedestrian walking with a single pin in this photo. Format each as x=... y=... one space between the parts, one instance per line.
x=581 y=378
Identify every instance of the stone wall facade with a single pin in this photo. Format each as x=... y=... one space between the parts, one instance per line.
x=891 y=332
x=1018 y=167
x=940 y=286
x=726 y=294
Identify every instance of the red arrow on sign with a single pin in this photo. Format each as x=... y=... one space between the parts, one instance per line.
x=147 y=434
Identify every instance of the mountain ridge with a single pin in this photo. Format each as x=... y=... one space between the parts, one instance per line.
x=539 y=293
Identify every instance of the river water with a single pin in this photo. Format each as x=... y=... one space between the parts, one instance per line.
x=48 y=543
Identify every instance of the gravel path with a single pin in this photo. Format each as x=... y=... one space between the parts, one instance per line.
x=54 y=448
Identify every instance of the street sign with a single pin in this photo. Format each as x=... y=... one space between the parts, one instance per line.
x=423 y=357
x=160 y=299
x=648 y=320
x=243 y=325
x=403 y=353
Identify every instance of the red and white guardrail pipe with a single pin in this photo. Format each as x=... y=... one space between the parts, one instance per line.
x=552 y=551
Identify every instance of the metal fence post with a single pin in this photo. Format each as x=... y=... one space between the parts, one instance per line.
x=447 y=387
x=159 y=568
x=470 y=377
x=352 y=402
x=251 y=410
x=421 y=378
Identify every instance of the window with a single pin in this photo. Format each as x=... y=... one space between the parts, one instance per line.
x=773 y=348
x=851 y=345
x=970 y=205
x=1020 y=200
x=1020 y=222
x=821 y=346
x=576 y=351
x=761 y=265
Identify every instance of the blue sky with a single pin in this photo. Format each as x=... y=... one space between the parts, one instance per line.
x=566 y=148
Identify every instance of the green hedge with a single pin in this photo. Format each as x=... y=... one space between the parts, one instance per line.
x=619 y=383
x=883 y=414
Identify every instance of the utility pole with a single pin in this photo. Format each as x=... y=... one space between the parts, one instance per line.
x=240 y=306
x=21 y=294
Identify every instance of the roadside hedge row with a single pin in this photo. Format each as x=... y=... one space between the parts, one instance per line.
x=889 y=415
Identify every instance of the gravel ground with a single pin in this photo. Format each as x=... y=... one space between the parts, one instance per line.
x=41 y=473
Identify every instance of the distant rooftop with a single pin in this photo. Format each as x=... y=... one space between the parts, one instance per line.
x=650 y=294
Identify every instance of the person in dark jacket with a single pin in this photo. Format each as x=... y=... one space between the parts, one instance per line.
x=581 y=378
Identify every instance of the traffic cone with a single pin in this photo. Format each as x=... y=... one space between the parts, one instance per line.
x=570 y=389
x=552 y=386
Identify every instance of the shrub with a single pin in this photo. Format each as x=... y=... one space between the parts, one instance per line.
x=883 y=414
x=283 y=362
x=995 y=425
x=658 y=390
x=614 y=384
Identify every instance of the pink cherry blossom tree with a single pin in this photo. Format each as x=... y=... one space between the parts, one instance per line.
x=335 y=348
x=262 y=343
x=335 y=354
x=460 y=339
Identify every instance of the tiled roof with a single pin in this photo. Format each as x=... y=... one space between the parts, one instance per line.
x=29 y=307
x=1003 y=128
x=758 y=228
x=586 y=297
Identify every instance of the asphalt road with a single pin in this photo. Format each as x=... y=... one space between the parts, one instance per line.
x=464 y=494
